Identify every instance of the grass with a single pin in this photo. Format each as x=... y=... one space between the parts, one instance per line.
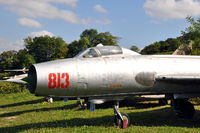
x=23 y=112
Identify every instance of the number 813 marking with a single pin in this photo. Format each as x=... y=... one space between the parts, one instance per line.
x=58 y=80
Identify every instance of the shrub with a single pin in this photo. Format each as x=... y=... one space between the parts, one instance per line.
x=195 y=100
x=7 y=87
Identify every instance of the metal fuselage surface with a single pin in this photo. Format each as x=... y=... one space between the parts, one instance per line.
x=115 y=75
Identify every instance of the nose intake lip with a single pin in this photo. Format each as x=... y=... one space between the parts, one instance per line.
x=32 y=79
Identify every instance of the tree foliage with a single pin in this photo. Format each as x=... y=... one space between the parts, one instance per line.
x=23 y=60
x=27 y=61
x=106 y=38
x=90 y=34
x=14 y=60
x=90 y=38
x=168 y=45
x=194 y=25
x=46 y=48
x=192 y=33
x=7 y=87
x=76 y=46
x=7 y=59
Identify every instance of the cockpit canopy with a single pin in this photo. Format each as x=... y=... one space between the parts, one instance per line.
x=101 y=50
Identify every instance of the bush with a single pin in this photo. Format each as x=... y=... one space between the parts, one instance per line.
x=195 y=100
x=7 y=87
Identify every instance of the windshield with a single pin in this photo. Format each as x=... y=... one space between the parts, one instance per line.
x=81 y=53
x=100 y=51
x=109 y=50
x=90 y=53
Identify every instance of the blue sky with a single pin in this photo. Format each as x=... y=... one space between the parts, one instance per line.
x=137 y=22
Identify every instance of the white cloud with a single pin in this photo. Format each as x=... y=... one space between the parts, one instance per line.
x=6 y=45
x=72 y=3
x=172 y=9
x=43 y=9
x=29 y=23
x=41 y=33
x=104 y=22
x=100 y=9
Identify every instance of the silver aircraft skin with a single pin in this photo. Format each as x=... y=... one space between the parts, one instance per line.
x=105 y=73
x=118 y=75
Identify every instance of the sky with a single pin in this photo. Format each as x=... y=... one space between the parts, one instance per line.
x=136 y=22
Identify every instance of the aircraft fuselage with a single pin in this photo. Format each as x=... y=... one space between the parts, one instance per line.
x=117 y=75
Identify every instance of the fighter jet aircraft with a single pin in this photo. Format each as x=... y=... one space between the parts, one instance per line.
x=112 y=73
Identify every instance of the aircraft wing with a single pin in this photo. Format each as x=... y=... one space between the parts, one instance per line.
x=16 y=79
x=24 y=70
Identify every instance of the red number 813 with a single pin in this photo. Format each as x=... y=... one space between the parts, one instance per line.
x=55 y=80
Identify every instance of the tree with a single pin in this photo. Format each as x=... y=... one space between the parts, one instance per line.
x=90 y=38
x=164 y=46
x=90 y=34
x=45 y=48
x=106 y=38
x=27 y=61
x=23 y=60
x=194 y=25
x=167 y=46
x=135 y=48
x=84 y=43
x=76 y=46
x=151 y=49
x=7 y=59
x=173 y=43
x=192 y=33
